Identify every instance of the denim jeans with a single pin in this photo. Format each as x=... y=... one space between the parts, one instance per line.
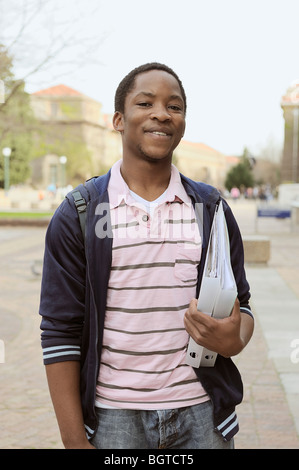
x=181 y=428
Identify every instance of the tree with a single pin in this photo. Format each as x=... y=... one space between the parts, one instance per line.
x=44 y=36
x=16 y=123
x=240 y=175
x=267 y=170
x=40 y=39
x=65 y=142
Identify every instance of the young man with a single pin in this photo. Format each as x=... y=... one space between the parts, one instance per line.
x=118 y=308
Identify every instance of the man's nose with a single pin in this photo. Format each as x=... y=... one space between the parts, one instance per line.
x=161 y=113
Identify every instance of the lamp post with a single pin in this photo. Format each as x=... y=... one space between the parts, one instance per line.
x=63 y=161
x=6 y=153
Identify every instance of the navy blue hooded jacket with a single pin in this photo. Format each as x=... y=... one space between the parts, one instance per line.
x=74 y=290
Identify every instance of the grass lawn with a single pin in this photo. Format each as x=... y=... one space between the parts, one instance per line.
x=25 y=215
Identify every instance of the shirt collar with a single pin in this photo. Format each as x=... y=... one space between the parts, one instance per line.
x=119 y=191
x=176 y=190
x=117 y=187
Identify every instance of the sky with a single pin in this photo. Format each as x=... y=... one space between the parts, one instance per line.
x=236 y=58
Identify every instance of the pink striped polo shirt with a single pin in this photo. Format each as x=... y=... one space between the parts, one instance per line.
x=153 y=277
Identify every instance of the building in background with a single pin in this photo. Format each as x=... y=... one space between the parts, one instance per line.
x=71 y=121
x=203 y=163
x=290 y=158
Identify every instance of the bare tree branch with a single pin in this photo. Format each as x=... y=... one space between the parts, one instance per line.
x=27 y=21
x=44 y=37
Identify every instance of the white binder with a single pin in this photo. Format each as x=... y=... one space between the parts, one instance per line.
x=218 y=290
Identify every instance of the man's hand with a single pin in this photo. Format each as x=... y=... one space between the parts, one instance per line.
x=226 y=336
x=64 y=385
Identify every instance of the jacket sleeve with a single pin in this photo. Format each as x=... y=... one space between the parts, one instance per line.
x=237 y=260
x=62 y=301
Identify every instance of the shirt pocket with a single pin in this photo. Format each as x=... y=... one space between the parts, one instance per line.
x=187 y=261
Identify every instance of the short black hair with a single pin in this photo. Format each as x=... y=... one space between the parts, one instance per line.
x=127 y=84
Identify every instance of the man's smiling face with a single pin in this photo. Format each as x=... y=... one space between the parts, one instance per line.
x=153 y=122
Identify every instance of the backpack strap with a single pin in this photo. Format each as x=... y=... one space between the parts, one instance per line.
x=90 y=190
x=81 y=206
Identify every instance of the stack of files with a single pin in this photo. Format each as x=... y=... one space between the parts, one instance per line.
x=218 y=290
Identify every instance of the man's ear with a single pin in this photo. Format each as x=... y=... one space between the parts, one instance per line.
x=118 y=121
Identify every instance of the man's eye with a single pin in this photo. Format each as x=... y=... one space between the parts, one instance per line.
x=144 y=104
x=175 y=108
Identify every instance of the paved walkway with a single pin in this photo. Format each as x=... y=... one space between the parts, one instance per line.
x=269 y=414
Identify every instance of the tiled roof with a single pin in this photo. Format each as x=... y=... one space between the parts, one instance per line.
x=201 y=147
x=58 y=90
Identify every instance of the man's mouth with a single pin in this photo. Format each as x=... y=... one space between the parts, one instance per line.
x=160 y=133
